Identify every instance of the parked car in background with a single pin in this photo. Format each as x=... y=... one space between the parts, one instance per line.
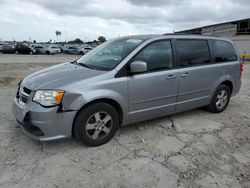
x=81 y=50
x=52 y=49
x=47 y=49
x=8 y=49
x=84 y=50
x=59 y=46
x=1 y=47
x=25 y=49
x=72 y=50
x=64 y=48
x=39 y=49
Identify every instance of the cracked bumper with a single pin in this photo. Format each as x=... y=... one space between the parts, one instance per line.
x=43 y=124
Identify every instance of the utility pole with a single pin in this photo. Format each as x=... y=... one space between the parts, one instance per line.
x=65 y=31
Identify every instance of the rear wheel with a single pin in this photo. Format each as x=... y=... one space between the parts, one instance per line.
x=220 y=99
x=96 y=124
x=47 y=52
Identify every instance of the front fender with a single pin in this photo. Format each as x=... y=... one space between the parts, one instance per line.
x=75 y=101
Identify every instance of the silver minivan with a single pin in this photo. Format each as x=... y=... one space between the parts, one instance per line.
x=127 y=80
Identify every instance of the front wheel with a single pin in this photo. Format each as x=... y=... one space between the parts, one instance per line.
x=96 y=124
x=220 y=99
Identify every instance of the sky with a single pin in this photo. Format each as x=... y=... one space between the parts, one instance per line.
x=87 y=19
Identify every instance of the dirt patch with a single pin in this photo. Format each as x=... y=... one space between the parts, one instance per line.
x=9 y=81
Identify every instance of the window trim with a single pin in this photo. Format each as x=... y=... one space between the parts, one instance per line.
x=123 y=72
x=197 y=39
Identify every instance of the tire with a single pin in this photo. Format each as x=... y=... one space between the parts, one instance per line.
x=47 y=52
x=102 y=120
x=220 y=99
x=66 y=52
x=81 y=53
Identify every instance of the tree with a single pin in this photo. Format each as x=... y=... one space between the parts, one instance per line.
x=101 y=39
x=58 y=33
x=76 y=41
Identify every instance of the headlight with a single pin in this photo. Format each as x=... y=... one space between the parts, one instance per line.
x=48 y=97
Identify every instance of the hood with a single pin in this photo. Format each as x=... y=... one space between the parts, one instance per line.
x=58 y=76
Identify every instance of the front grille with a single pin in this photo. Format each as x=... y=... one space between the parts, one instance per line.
x=23 y=99
x=23 y=94
x=26 y=90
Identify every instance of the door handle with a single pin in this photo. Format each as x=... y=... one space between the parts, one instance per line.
x=171 y=76
x=185 y=74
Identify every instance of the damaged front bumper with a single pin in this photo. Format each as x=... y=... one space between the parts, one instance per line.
x=43 y=124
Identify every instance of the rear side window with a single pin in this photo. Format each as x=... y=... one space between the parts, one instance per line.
x=224 y=51
x=192 y=52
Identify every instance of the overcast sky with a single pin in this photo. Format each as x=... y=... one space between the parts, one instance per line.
x=88 y=19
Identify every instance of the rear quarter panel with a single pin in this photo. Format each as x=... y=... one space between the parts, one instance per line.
x=230 y=71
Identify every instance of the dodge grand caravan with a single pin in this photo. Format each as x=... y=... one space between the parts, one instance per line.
x=127 y=80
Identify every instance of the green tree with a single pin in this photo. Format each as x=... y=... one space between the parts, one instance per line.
x=101 y=39
x=76 y=41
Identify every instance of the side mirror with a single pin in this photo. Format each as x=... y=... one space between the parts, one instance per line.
x=138 y=66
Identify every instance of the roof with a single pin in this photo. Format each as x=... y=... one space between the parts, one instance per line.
x=171 y=35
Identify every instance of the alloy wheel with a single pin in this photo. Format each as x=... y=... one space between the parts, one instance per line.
x=221 y=99
x=99 y=125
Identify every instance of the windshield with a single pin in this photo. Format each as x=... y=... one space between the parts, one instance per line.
x=108 y=55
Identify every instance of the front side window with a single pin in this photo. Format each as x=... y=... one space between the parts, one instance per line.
x=224 y=51
x=108 y=55
x=157 y=55
x=192 y=52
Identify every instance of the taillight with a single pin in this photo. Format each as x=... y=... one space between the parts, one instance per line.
x=241 y=68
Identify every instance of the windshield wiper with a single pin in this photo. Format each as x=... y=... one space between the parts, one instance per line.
x=74 y=62
x=87 y=66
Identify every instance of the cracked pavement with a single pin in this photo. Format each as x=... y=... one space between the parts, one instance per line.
x=191 y=149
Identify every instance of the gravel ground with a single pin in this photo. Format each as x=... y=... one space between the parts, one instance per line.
x=191 y=149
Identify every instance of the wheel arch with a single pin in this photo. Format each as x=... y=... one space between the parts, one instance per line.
x=226 y=80
x=229 y=84
x=109 y=101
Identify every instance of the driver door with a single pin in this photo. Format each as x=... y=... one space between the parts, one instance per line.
x=154 y=92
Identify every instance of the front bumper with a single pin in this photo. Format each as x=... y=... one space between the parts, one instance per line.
x=55 y=51
x=43 y=124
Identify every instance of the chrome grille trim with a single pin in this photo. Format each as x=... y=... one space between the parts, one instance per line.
x=23 y=95
x=22 y=92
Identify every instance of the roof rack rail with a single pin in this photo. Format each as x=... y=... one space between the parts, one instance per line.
x=182 y=34
x=200 y=34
